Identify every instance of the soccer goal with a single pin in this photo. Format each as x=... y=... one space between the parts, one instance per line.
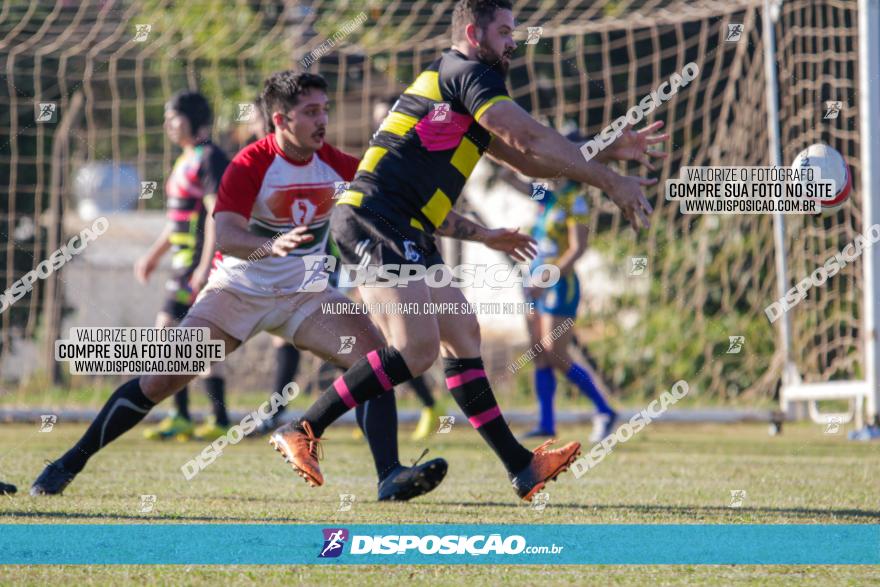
x=808 y=332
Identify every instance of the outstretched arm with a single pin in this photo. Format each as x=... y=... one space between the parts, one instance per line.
x=234 y=238
x=507 y=240
x=457 y=226
x=540 y=151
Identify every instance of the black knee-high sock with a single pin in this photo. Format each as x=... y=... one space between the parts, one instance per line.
x=467 y=382
x=215 y=387
x=378 y=420
x=181 y=403
x=371 y=376
x=287 y=364
x=421 y=390
x=126 y=407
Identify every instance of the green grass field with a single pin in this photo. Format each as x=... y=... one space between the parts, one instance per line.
x=666 y=474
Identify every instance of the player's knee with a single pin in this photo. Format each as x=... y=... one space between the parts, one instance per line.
x=553 y=353
x=464 y=336
x=420 y=354
x=373 y=338
x=159 y=386
x=560 y=362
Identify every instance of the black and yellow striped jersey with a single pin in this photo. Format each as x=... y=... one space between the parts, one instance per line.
x=424 y=151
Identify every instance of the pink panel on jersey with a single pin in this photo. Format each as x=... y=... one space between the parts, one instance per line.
x=445 y=134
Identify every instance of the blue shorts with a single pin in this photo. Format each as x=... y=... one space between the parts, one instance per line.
x=562 y=299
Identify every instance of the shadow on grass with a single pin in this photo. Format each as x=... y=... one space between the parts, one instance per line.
x=144 y=518
x=687 y=510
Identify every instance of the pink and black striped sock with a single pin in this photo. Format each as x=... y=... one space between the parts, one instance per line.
x=467 y=382
x=373 y=375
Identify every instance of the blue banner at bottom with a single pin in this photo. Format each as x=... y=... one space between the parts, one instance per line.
x=439 y=544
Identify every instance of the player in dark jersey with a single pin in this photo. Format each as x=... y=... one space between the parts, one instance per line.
x=407 y=183
x=428 y=419
x=190 y=193
x=7 y=489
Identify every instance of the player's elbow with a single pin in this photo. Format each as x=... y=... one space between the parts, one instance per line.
x=223 y=237
x=524 y=141
x=520 y=137
x=221 y=241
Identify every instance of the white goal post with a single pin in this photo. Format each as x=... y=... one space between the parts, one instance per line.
x=864 y=395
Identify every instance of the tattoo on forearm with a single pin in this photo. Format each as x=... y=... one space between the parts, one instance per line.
x=457 y=227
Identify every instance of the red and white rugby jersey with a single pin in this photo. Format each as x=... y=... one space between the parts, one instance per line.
x=276 y=194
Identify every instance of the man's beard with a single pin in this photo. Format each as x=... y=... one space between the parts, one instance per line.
x=492 y=59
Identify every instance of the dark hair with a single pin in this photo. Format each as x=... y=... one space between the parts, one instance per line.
x=260 y=105
x=478 y=12
x=282 y=90
x=192 y=105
